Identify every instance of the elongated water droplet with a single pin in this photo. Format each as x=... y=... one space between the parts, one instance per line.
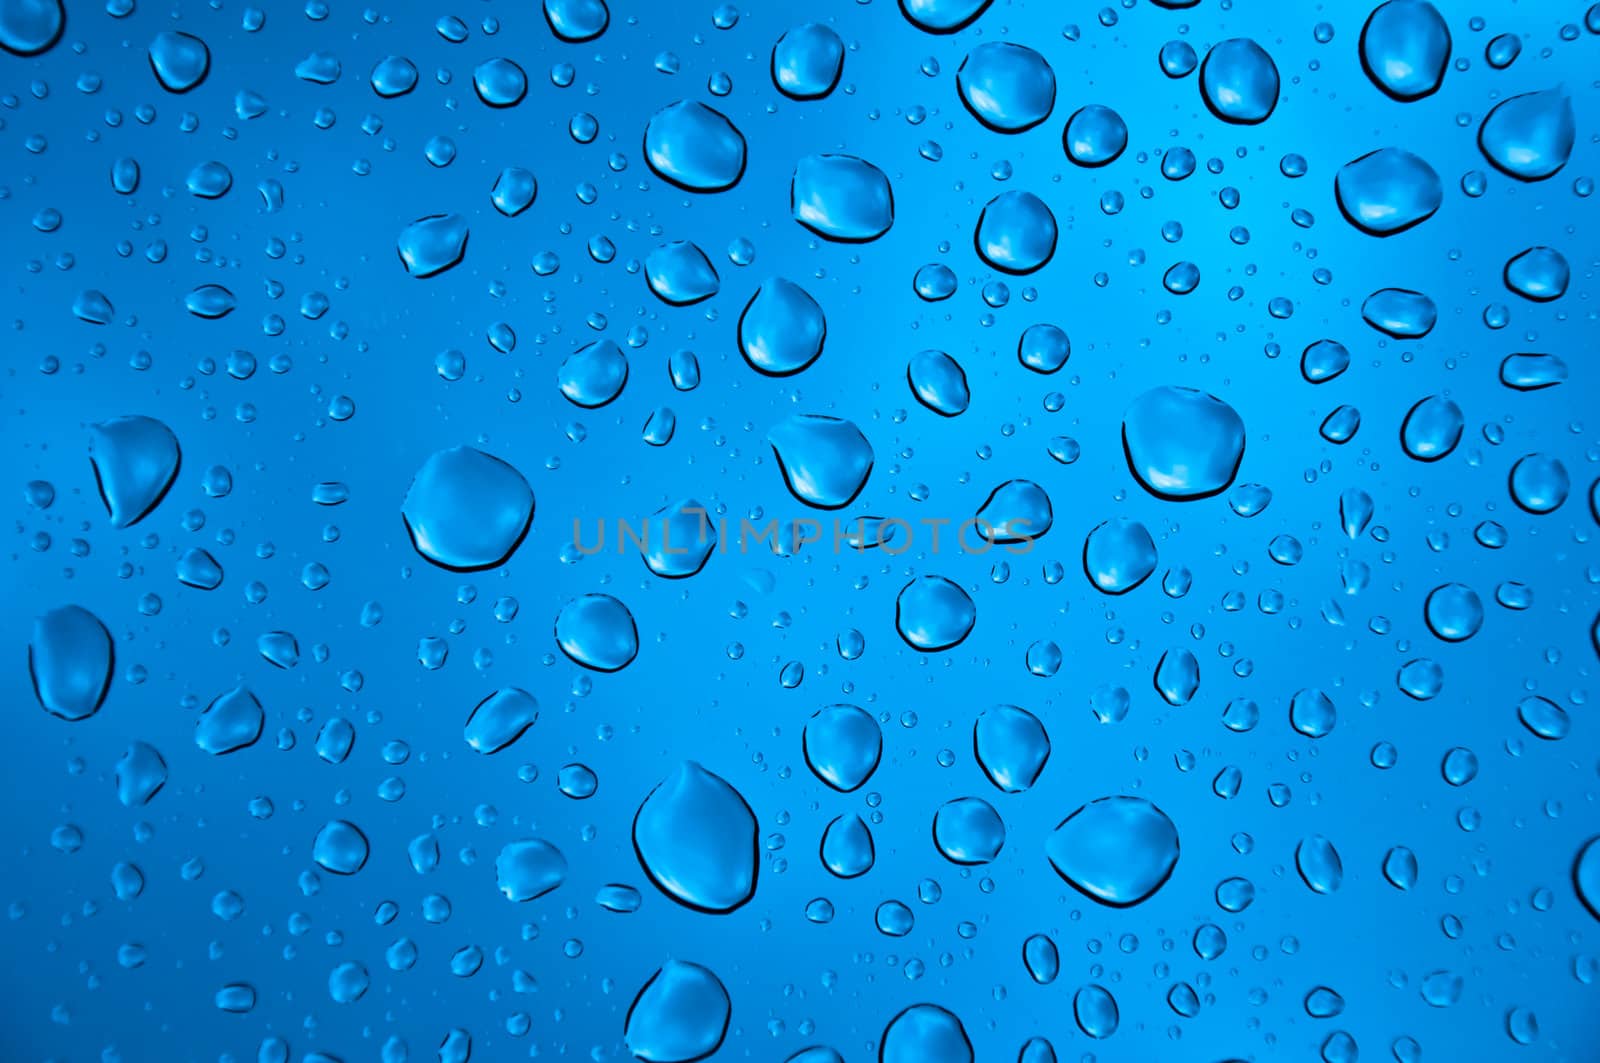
x=1011 y=747
x=141 y=773
x=1405 y=48
x=500 y=719
x=695 y=837
x=1539 y=273
x=1095 y=1010
x=1181 y=443
x=938 y=382
x=1177 y=677
x=1115 y=850
x=69 y=660
x=1400 y=312
x=1532 y=372
x=1239 y=81
x=1544 y=718
x=1319 y=865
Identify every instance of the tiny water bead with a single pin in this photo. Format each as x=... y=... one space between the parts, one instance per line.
x=1116 y=850
x=933 y=613
x=1181 y=443
x=1008 y=87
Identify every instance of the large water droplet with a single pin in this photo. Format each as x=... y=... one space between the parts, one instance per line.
x=340 y=847
x=598 y=632
x=925 y=1033
x=939 y=382
x=1177 y=677
x=1539 y=273
x=933 y=613
x=432 y=244
x=1181 y=443
x=1008 y=87
x=942 y=16
x=968 y=831
x=1095 y=135
x=1454 y=612
x=594 y=374
x=1405 y=48
x=1043 y=348
x=1387 y=191
x=696 y=838
x=694 y=147
x=180 y=60
x=680 y=1015
x=135 y=461
x=782 y=329
x=825 y=460
x=1118 y=555
x=1239 y=81
x=842 y=745
x=1312 y=713
x=466 y=510
x=1323 y=361
x=1544 y=718
x=1095 y=1010
x=680 y=273
x=841 y=197
x=529 y=868
x=28 y=27
x=1041 y=958
x=807 y=62
x=500 y=719
x=1532 y=372
x=1016 y=233
x=1530 y=137
x=1011 y=747
x=1016 y=511
x=69 y=660
x=1115 y=850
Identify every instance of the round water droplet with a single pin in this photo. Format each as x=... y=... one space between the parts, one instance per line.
x=1043 y=348
x=1016 y=233
x=1182 y=444
x=1431 y=428
x=135 y=461
x=1095 y=135
x=594 y=374
x=680 y=1015
x=968 y=831
x=841 y=198
x=1312 y=713
x=180 y=60
x=576 y=20
x=29 y=27
x=340 y=847
x=847 y=850
x=1095 y=1009
x=1015 y=512
x=230 y=723
x=1454 y=612
x=695 y=837
x=942 y=16
x=529 y=868
x=825 y=461
x=1405 y=48
x=432 y=244
x=933 y=613
x=1530 y=137
x=939 y=382
x=141 y=772
x=466 y=510
x=1539 y=483
x=393 y=76
x=1387 y=191
x=842 y=744
x=925 y=1033
x=1539 y=273
x=1115 y=850
x=678 y=539
x=1041 y=958
x=1239 y=81
x=1400 y=868
x=1118 y=555
x=694 y=147
x=1008 y=87
x=597 y=632
x=69 y=659
x=1323 y=361
x=500 y=82
x=934 y=282
x=680 y=274
x=807 y=62
x=782 y=329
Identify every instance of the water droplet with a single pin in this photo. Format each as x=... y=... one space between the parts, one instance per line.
x=1095 y=136
x=466 y=510
x=340 y=847
x=135 y=460
x=1239 y=81
x=1118 y=555
x=968 y=831
x=1442 y=989
x=1319 y=865
x=782 y=329
x=842 y=745
x=1405 y=49
x=925 y=1033
x=1040 y=957
x=233 y=721
x=807 y=62
x=500 y=82
x=576 y=21
x=1043 y=348
x=1544 y=718
x=1389 y=190
x=1312 y=713
x=942 y=16
x=1530 y=137
x=1454 y=612
x=1182 y=444
x=180 y=60
x=1586 y=876
x=1431 y=428
x=529 y=868
x=939 y=382
x=1400 y=312
x=1539 y=273
x=679 y=539
x=1539 y=483
x=594 y=374
x=825 y=461
x=1017 y=511
x=1008 y=87
x=847 y=849
x=680 y=274
x=1323 y=361
x=69 y=660
x=680 y=1015
x=1177 y=677
x=1115 y=850
x=1016 y=233
x=433 y=243
x=696 y=838
x=694 y=147
x=933 y=613
x=841 y=198
x=29 y=27
x=597 y=632
x=1095 y=1009
x=500 y=719
x=141 y=773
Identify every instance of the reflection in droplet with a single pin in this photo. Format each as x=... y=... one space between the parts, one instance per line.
x=1586 y=876
x=340 y=847
x=1177 y=677
x=1544 y=718
x=825 y=461
x=500 y=82
x=69 y=659
x=782 y=329
x=1431 y=428
x=841 y=198
x=1454 y=612
x=233 y=721
x=1182 y=443
x=1312 y=713
x=1008 y=87
x=1405 y=48
x=1011 y=747
x=1239 y=81
x=695 y=837
x=180 y=60
x=466 y=510
x=694 y=147
x=1095 y=1009
x=679 y=539
x=933 y=613
x=432 y=244
x=1115 y=850
x=594 y=374
x=1043 y=348
x=576 y=20
x=141 y=773
x=680 y=1015
x=1532 y=372
x=1387 y=191
x=1118 y=555
x=598 y=632
x=29 y=27
x=680 y=274
x=1323 y=361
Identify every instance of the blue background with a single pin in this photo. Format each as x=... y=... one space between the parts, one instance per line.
x=690 y=695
